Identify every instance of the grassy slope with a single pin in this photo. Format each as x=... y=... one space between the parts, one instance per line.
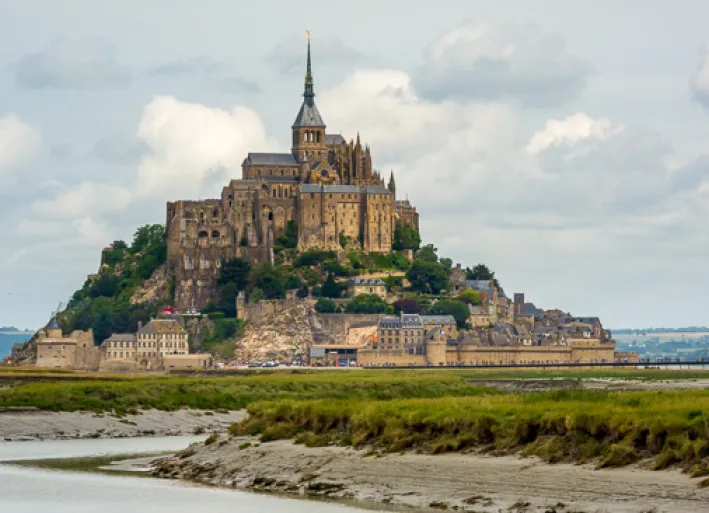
x=610 y=428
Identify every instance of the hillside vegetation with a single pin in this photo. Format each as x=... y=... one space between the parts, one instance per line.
x=104 y=301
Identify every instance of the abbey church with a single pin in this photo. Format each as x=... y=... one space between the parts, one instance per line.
x=325 y=184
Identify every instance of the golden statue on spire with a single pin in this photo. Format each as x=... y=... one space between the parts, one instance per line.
x=308 y=32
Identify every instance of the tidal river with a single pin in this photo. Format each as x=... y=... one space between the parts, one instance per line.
x=25 y=489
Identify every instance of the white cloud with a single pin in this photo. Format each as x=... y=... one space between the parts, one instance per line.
x=699 y=83
x=83 y=200
x=501 y=62
x=189 y=143
x=86 y=63
x=568 y=199
x=569 y=131
x=19 y=142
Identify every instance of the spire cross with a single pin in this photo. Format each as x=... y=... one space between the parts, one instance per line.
x=309 y=91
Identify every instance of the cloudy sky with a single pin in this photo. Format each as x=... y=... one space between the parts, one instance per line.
x=564 y=144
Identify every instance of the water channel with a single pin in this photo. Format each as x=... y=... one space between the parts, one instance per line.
x=26 y=489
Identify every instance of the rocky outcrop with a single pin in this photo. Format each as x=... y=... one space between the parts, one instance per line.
x=198 y=327
x=283 y=334
x=26 y=353
x=155 y=288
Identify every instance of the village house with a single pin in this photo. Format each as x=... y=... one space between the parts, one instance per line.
x=357 y=286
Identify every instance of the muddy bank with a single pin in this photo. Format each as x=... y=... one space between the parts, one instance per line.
x=456 y=482
x=41 y=425
x=610 y=385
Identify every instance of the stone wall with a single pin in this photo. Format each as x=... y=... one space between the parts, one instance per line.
x=440 y=354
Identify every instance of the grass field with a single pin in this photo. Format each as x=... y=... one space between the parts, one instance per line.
x=436 y=410
x=66 y=391
x=609 y=428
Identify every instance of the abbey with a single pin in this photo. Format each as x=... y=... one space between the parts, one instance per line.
x=325 y=184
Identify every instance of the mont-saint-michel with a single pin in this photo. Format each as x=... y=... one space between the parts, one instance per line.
x=309 y=257
x=298 y=335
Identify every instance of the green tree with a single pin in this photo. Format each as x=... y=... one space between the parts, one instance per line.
x=481 y=272
x=148 y=238
x=270 y=279
x=367 y=303
x=406 y=237
x=427 y=253
x=447 y=263
x=330 y=288
x=457 y=309
x=288 y=239
x=235 y=270
x=470 y=296
x=427 y=277
x=325 y=305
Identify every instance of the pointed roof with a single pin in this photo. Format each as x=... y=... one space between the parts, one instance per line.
x=53 y=324
x=308 y=115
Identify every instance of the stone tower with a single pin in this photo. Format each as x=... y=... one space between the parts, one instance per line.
x=308 y=127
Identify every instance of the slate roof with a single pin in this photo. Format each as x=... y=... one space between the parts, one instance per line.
x=308 y=115
x=121 y=337
x=161 y=326
x=437 y=319
x=377 y=189
x=277 y=159
x=403 y=321
x=479 y=285
x=333 y=139
x=313 y=187
x=366 y=281
x=281 y=179
x=53 y=324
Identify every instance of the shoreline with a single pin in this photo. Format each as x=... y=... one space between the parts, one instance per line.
x=33 y=425
x=455 y=481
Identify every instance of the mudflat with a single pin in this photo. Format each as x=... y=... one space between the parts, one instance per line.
x=461 y=482
x=42 y=425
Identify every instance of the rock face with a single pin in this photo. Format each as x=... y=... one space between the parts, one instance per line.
x=155 y=288
x=283 y=334
x=25 y=354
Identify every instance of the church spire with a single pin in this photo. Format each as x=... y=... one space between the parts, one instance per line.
x=309 y=92
x=392 y=183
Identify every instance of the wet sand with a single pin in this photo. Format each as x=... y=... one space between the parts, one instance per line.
x=460 y=482
x=41 y=425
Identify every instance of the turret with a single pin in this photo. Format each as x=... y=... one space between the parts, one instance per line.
x=392 y=184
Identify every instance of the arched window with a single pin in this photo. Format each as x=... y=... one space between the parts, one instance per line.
x=201 y=216
x=318 y=136
x=215 y=213
x=274 y=192
x=305 y=136
x=285 y=193
x=203 y=234
x=216 y=234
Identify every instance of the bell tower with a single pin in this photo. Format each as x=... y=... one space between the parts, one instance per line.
x=308 y=127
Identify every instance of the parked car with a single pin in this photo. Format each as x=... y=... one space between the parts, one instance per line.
x=256 y=364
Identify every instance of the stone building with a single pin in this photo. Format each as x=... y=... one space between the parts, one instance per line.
x=326 y=185
x=357 y=286
x=75 y=351
x=408 y=332
x=148 y=348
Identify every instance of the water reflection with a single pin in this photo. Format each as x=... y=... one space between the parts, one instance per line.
x=30 y=490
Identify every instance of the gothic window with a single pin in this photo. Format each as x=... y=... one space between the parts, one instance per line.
x=203 y=234
x=215 y=213
x=285 y=193
x=216 y=234
x=318 y=136
x=201 y=216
